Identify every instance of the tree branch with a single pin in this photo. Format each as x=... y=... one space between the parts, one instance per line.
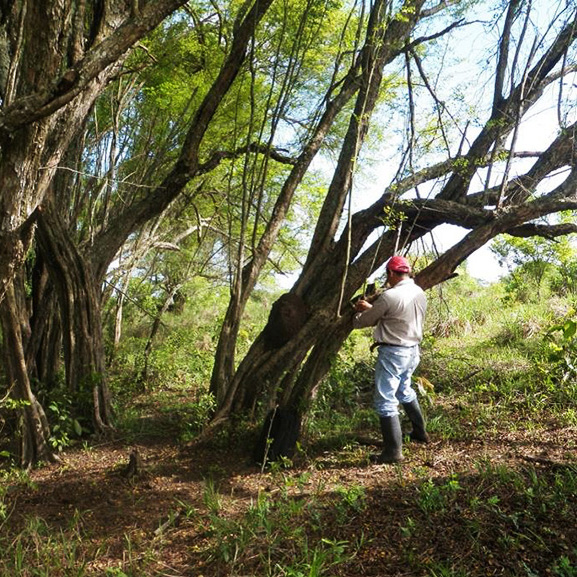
x=550 y=231
x=74 y=80
x=218 y=156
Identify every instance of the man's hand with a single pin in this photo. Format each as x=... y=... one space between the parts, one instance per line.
x=362 y=305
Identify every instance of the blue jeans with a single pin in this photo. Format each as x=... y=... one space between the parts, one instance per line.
x=393 y=371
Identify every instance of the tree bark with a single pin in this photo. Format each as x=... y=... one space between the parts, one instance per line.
x=44 y=346
x=52 y=81
x=34 y=431
x=79 y=303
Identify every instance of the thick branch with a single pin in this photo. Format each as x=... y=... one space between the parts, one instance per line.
x=564 y=197
x=550 y=231
x=382 y=45
x=503 y=59
x=75 y=80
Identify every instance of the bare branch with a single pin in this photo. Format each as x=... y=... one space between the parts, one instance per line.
x=443 y=5
x=422 y=39
x=218 y=156
x=503 y=59
x=550 y=231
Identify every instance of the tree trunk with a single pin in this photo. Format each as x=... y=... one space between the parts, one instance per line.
x=268 y=375
x=317 y=365
x=34 y=429
x=56 y=58
x=79 y=301
x=45 y=343
x=223 y=368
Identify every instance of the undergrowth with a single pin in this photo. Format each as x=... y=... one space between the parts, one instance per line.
x=492 y=519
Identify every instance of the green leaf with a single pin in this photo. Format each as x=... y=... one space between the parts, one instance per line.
x=569 y=329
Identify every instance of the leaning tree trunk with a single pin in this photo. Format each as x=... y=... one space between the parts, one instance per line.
x=267 y=373
x=34 y=429
x=223 y=380
x=79 y=301
x=317 y=365
x=268 y=376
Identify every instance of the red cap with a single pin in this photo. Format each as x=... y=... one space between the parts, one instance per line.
x=398 y=264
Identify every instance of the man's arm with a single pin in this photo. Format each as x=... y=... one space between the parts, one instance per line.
x=368 y=314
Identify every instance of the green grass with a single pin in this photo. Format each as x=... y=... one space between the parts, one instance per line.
x=493 y=519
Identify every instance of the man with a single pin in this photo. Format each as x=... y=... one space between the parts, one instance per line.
x=397 y=315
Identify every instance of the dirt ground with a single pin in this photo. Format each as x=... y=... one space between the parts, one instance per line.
x=120 y=513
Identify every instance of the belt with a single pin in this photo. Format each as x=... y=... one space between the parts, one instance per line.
x=379 y=344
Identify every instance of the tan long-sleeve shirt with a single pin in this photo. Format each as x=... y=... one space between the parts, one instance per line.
x=398 y=315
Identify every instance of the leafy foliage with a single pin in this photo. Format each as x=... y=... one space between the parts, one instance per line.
x=562 y=340
x=537 y=266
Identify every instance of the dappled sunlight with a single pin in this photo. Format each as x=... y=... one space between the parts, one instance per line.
x=453 y=503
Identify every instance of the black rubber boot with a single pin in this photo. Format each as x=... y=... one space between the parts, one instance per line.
x=419 y=432
x=392 y=440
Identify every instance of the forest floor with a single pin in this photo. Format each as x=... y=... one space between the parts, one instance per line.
x=490 y=503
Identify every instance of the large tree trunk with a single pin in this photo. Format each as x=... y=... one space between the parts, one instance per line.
x=79 y=300
x=34 y=430
x=48 y=83
x=45 y=343
x=51 y=127
x=317 y=365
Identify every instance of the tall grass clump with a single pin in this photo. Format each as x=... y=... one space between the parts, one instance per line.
x=288 y=531
x=34 y=547
x=497 y=520
x=43 y=551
